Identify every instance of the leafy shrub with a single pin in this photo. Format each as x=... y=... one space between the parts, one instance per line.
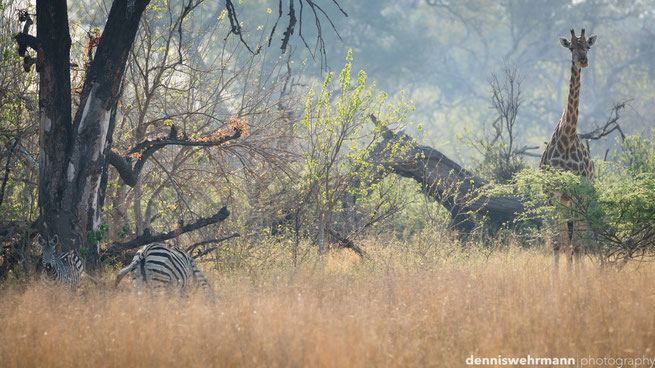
x=618 y=208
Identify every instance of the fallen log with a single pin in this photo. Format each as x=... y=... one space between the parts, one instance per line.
x=456 y=188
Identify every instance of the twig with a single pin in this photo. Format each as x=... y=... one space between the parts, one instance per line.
x=210 y=241
x=524 y=151
x=611 y=125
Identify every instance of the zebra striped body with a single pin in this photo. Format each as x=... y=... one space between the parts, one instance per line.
x=160 y=267
x=63 y=269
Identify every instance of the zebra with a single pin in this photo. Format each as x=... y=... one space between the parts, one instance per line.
x=63 y=269
x=160 y=267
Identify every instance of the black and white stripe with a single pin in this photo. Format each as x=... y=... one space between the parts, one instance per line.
x=64 y=269
x=158 y=267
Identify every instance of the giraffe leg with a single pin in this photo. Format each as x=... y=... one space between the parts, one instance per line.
x=557 y=248
x=566 y=231
x=561 y=245
x=579 y=239
x=565 y=235
x=560 y=239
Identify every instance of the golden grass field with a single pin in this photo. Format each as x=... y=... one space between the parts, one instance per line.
x=397 y=308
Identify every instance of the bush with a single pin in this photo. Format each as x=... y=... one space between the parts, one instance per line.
x=618 y=208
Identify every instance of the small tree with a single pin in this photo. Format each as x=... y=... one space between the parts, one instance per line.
x=337 y=139
x=501 y=155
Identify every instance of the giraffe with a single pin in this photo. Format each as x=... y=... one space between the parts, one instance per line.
x=564 y=151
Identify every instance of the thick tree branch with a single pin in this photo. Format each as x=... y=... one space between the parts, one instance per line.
x=144 y=150
x=106 y=71
x=25 y=40
x=290 y=26
x=148 y=238
x=456 y=188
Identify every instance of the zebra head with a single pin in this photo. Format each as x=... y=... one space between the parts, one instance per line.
x=48 y=256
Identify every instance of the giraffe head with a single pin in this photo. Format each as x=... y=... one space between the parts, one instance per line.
x=579 y=47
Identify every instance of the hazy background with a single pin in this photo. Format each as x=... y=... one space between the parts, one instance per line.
x=443 y=53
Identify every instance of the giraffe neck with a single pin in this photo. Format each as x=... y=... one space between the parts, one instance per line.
x=569 y=123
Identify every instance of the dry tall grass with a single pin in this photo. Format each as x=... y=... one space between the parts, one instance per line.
x=392 y=310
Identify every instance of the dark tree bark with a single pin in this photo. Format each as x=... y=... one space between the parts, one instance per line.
x=456 y=188
x=74 y=152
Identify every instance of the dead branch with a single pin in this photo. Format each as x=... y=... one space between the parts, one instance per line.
x=25 y=40
x=211 y=241
x=291 y=26
x=346 y=242
x=148 y=147
x=457 y=189
x=236 y=25
x=610 y=125
x=148 y=238
x=524 y=151
x=204 y=253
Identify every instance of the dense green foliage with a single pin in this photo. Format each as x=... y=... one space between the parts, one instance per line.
x=618 y=208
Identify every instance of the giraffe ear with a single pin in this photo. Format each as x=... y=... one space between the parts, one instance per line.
x=565 y=42
x=592 y=40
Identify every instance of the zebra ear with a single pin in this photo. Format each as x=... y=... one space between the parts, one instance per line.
x=42 y=241
x=55 y=240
